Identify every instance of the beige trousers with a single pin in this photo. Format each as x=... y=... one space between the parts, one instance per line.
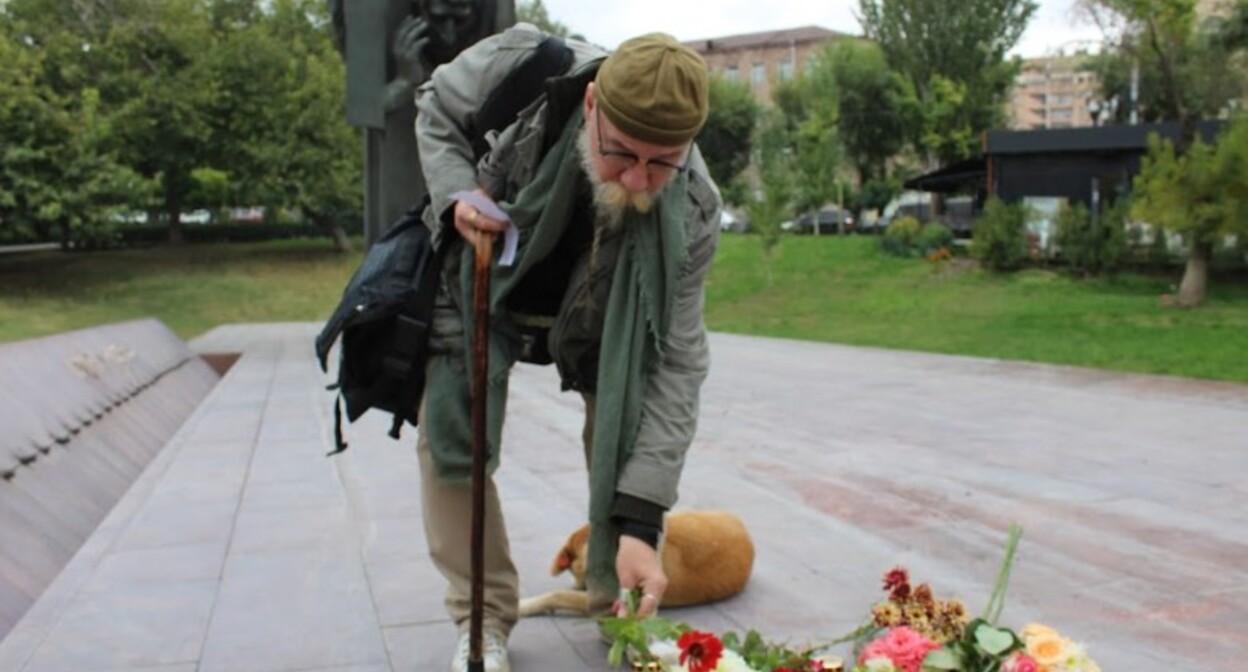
x=447 y=512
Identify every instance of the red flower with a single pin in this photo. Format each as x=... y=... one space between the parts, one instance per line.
x=896 y=576
x=700 y=651
x=897 y=581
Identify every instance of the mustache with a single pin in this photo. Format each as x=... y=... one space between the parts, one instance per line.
x=614 y=195
x=610 y=197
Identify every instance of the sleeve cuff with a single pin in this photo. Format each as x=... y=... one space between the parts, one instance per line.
x=636 y=517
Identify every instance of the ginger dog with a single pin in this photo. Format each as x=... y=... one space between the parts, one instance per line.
x=707 y=556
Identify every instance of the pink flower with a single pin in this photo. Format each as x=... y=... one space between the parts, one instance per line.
x=1020 y=662
x=903 y=646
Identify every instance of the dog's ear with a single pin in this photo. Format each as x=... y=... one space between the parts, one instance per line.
x=562 y=562
x=568 y=554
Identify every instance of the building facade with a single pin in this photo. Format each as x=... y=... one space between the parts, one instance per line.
x=762 y=60
x=1055 y=92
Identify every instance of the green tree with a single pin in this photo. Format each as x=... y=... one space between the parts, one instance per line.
x=535 y=12
x=809 y=114
x=1201 y=193
x=277 y=124
x=1231 y=31
x=28 y=130
x=1153 y=32
x=58 y=178
x=1092 y=243
x=949 y=127
x=725 y=139
x=321 y=169
x=876 y=106
x=819 y=154
x=144 y=56
x=773 y=202
x=954 y=55
x=1165 y=34
x=999 y=240
x=1206 y=73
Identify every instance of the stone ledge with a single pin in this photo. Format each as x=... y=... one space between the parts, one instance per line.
x=85 y=412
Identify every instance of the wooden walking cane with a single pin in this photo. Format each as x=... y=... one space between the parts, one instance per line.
x=480 y=448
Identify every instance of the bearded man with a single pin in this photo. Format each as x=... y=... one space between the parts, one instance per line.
x=616 y=216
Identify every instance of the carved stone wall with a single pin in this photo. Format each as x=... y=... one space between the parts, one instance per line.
x=81 y=415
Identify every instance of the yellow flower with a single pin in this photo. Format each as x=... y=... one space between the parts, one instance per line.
x=1037 y=629
x=1047 y=649
x=886 y=614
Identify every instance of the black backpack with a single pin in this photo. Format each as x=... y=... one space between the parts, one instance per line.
x=387 y=308
x=384 y=319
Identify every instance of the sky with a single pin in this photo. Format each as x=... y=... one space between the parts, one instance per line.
x=1053 y=27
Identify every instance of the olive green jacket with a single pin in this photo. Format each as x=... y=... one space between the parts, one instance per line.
x=446 y=103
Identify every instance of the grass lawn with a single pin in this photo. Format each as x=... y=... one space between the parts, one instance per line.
x=840 y=290
x=191 y=289
x=847 y=291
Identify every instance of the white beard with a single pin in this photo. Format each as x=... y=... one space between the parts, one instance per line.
x=611 y=199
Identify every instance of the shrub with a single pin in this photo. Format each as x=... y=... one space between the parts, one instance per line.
x=1159 y=255
x=901 y=237
x=934 y=236
x=1092 y=247
x=999 y=240
x=147 y=234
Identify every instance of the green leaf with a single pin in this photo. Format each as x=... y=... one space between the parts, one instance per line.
x=994 y=640
x=615 y=656
x=942 y=659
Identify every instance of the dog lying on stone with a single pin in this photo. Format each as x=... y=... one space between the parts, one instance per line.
x=707 y=556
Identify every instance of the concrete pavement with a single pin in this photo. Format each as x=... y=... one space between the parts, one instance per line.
x=242 y=549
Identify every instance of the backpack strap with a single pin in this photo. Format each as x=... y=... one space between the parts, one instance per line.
x=339 y=444
x=519 y=89
x=564 y=95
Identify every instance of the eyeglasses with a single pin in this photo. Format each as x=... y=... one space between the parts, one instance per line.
x=621 y=160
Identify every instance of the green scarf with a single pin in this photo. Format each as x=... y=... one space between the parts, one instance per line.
x=638 y=311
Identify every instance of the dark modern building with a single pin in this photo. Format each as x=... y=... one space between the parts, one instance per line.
x=1069 y=163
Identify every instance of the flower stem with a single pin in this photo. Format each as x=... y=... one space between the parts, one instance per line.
x=997 y=602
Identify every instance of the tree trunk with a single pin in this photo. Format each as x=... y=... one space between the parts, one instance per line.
x=173 y=206
x=1196 y=275
x=342 y=243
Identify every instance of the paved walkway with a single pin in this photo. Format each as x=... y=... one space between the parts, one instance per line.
x=241 y=549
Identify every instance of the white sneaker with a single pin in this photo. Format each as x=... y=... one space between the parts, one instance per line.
x=493 y=652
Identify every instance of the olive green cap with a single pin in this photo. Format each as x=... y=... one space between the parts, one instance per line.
x=654 y=89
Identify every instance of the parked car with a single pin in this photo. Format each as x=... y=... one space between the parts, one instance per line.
x=195 y=217
x=251 y=215
x=731 y=222
x=916 y=204
x=959 y=212
x=828 y=221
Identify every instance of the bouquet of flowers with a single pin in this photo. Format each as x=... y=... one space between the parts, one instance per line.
x=910 y=631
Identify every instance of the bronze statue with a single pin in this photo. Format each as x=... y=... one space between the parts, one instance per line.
x=391 y=47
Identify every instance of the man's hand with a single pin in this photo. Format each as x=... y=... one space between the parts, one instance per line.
x=639 y=567
x=469 y=220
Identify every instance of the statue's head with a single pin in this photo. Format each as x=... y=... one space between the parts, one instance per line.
x=453 y=26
